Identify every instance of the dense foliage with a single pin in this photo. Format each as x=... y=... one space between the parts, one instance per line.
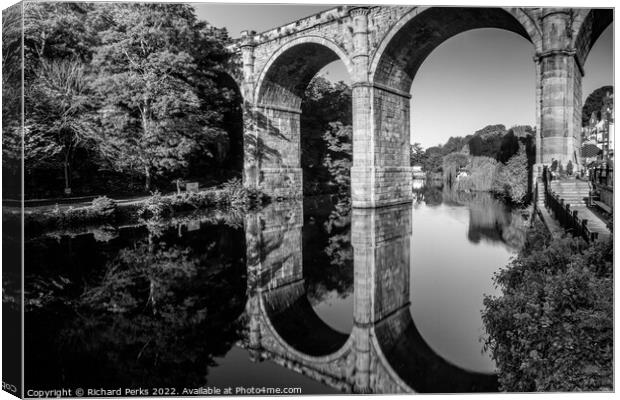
x=492 y=159
x=482 y=175
x=512 y=178
x=552 y=328
x=158 y=99
x=116 y=94
x=452 y=163
x=326 y=137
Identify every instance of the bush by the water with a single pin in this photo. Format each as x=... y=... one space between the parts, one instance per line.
x=452 y=164
x=552 y=328
x=232 y=193
x=481 y=175
x=155 y=207
x=512 y=177
x=487 y=174
x=235 y=194
x=104 y=205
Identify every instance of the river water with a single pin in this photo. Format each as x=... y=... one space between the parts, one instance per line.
x=309 y=295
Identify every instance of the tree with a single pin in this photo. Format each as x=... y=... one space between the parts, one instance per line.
x=512 y=177
x=54 y=31
x=11 y=95
x=433 y=160
x=508 y=148
x=326 y=115
x=491 y=130
x=158 y=99
x=340 y=155
x=451 y=164
x=454 y=144
x=417 y=154
x=594 y=103
x=57 y=102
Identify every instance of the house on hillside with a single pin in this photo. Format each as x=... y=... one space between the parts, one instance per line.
x=598 y=135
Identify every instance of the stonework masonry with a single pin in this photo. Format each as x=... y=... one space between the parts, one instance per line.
x=382 y=47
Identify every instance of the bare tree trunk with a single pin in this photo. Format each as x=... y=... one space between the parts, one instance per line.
x=147 y=181
x=67 y=173
x=144 y=111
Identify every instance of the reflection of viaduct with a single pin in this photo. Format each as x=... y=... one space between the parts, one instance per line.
x=384 y=353
x=382 y=48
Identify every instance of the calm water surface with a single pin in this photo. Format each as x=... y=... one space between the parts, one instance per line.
x=312 y=295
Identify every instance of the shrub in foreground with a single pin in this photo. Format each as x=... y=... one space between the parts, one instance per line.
x=552 y=328
x=104 y=206
x=155 y=207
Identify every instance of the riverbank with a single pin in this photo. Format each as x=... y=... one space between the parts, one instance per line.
x=231 y=196
x=551 y=329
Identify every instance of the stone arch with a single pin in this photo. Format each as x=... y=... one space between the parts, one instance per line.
x=273 y=141
x=299 y=60
x=395 y=62
x=588 y=25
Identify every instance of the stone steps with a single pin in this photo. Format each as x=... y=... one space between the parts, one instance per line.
x=576 y=194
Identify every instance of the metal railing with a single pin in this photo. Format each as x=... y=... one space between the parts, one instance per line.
x=569 y=219
x=602 y=175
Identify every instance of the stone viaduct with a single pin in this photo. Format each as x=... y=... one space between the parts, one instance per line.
x=384 y=352
x=382 y=48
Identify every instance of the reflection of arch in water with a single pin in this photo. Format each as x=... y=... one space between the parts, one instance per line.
x=413 y=362
x=403 y=359
x=292 y=318
x=385 y=352
x=287 y=319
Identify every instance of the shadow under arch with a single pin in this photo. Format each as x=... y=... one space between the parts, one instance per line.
x=418 y=366
x=289 y=70
x=273 y=149
x=233 y=120
x=293 y=320
x=589 y=26
x=400 y=55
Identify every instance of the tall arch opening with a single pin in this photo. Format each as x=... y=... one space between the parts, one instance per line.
x=432 y=63
x=477 y=79
x=301 y=144
x=424 y=31
x=597 y=122
x=288 y=87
